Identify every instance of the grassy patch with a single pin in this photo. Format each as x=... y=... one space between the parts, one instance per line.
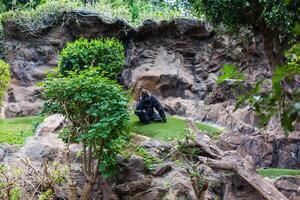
x=174 y=128
x=277 y=172
x=16 y=130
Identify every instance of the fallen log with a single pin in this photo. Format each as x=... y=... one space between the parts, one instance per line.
x=233 y=161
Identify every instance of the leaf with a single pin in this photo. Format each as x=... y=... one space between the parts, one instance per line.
x=229 y=71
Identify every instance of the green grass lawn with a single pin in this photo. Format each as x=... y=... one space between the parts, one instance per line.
x=16 y=130
x=274 y=173
x=174 y=128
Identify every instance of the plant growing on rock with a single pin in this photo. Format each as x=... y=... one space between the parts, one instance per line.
x=199 y=183
x=13 y=4
x=272 y=19
x=98 y=112
x=149 y=160
x=278 y=23
x=107 y=55
x=4 y=79
x=9 y=186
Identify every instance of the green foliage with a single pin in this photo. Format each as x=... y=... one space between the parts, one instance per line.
x=36 y=123
x=158 y=10
x=274 y=14
x=46 y=195
x=32 y=20
x=229 y=71
x=282 y=100
x=107 y=55
x=277 y=172
x=150 y=161
x=16 y=130
x=9 y=186
x=15 y=193
x=184 y=146
x=68 y=136
x=51 y=12
x=4 y=79
x=271 y=18
x=97 y=109
x=197 y=179
x=133 y=8
x=20 y=4
x=174 y=129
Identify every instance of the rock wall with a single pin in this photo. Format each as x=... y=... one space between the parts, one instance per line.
x=177 y=60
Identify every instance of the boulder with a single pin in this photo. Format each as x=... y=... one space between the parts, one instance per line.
x=267 y=150
x=2 y=154
x=133 y=187
x=155 y=147
x=40 y=148
x=242 y=127
x=7 y=151
x=234 y=187
x=151 y=194
x=161 y=169
x=131 y=169
x=289 y=186
x=178 y=185
x=51 y=125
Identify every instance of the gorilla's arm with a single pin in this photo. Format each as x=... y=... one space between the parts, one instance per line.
x=139 y=107
x=159 y=109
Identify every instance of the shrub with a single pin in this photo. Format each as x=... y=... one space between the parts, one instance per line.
x=107 y=55
x=52 y=12
x=98 y=112
x=4 y=79
x=46 y=15
x=20 y=4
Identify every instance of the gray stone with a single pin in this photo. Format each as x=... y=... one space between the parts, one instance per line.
x=289 y=186
x=135 y=186
x=242 y=127
x=41 y=148
x=2 y=154
x=51 y=125
x=161 y=169
x=132 y=169
x=151 y=194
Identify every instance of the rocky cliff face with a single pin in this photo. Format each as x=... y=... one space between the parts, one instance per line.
x=177 y=60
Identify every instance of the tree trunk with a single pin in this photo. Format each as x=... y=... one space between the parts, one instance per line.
x=85 y=195
x=233 y=161
x=72 y=190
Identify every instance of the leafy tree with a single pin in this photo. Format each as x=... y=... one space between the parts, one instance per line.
x=98 y=112
x=133 y=8
x=4 y=79
x=276 y=20
x=272 y=18
x=107 y=55
x=13 y=4
x=86 y=93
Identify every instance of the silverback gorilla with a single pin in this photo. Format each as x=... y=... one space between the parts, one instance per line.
x=145 y=108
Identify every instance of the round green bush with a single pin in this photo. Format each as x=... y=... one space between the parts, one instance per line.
x=107 y=55
x=4 y=79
